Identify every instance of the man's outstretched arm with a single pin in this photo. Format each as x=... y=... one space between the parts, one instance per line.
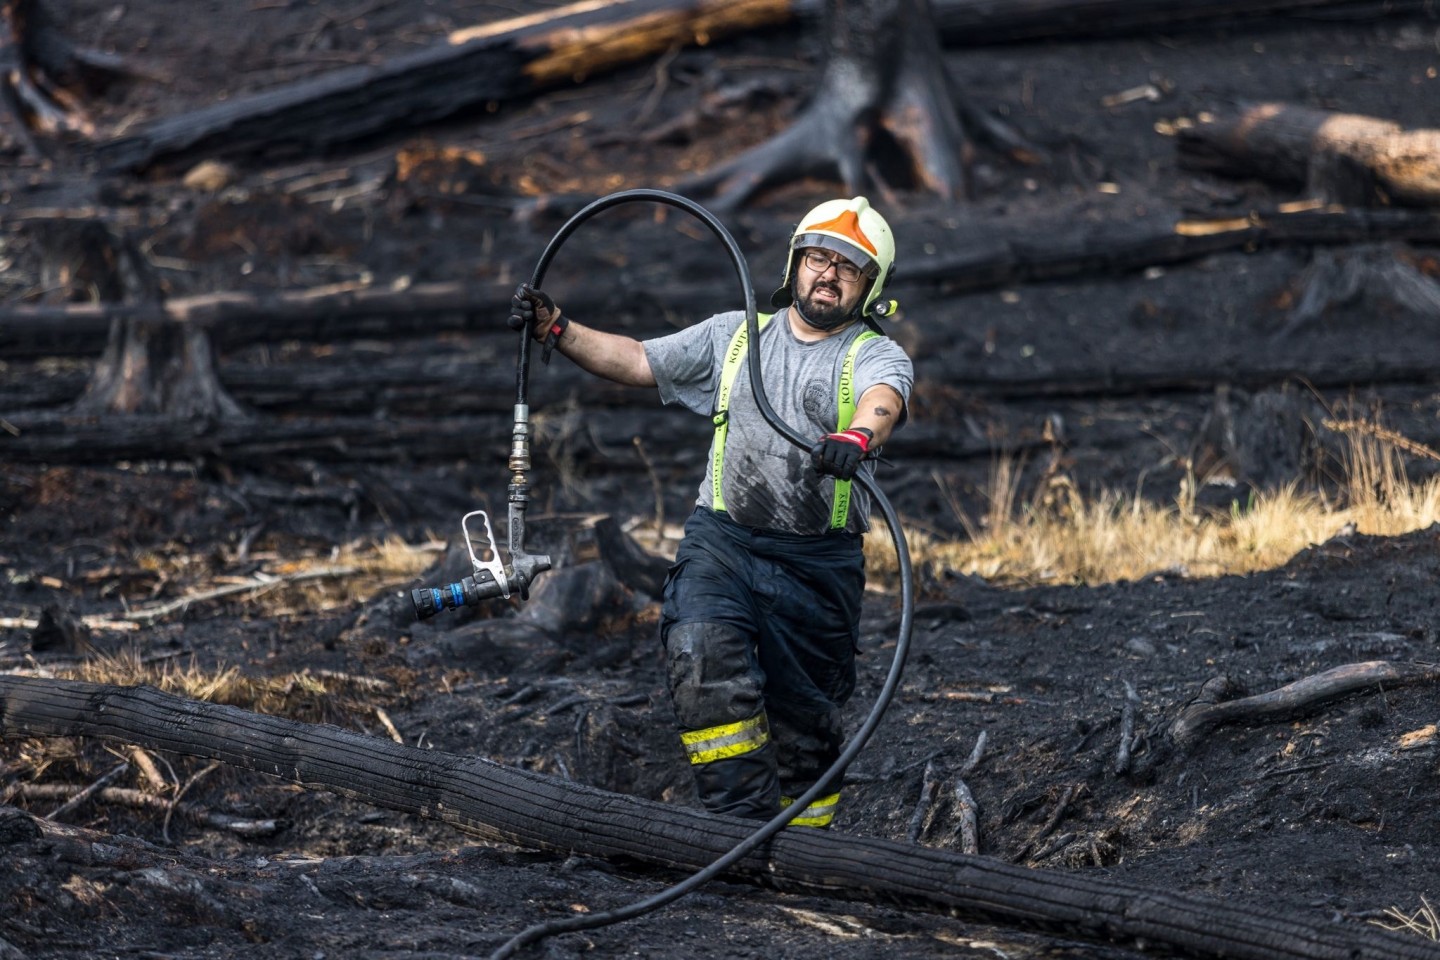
x=612 y=356
x=609 y=355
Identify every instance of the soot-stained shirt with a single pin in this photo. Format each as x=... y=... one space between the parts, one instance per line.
x=767 y=481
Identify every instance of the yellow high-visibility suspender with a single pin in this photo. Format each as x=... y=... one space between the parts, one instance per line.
x=841 y=507
x=845 y=412
x=733 y=355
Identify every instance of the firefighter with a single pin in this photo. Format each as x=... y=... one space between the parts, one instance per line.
x=761 y=609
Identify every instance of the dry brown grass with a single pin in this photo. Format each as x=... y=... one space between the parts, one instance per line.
x=1060 y=536
x=296 y=582
x=343 y=699
x=312 y=697
x=361 y=570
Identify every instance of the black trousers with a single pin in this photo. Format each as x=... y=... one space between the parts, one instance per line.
x=760 y=631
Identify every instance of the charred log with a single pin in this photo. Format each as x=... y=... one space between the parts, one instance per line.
x=73 y=437
x=461 y=387
x=238 y=317
x=1263 y=440
x=975 y=22
x=513 y=806
x=1338 y=157
x=493 y=63
x=1011 y=254
x=1056 y=251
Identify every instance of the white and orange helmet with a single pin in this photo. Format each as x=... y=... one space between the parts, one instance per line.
x=858 y=233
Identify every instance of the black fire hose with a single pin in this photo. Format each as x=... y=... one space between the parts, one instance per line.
x=907 y=597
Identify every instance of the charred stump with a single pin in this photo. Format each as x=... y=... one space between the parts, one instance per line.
x=884 y=112
x=43 y=77
x=507 y=805
x=1261 y=440
x=28 y=95
x=149 y=364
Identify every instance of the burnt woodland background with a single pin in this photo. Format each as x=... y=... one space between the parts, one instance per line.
x=256 y=259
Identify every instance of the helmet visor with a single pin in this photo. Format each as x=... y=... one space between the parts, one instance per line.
x=845 y=248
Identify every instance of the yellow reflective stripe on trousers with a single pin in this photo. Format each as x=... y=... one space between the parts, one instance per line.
x=727 y=740
x=840 y=507
x=818 y=814
x=733 y=355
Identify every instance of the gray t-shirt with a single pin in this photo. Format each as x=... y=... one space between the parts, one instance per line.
x=767 y=481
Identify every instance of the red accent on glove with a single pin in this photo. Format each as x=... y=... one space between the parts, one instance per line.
x=853 y=436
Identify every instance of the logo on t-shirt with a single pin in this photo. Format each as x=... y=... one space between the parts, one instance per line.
x=819 y=400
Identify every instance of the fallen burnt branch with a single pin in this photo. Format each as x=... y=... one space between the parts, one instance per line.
x=495 y=62
x=253 y=587
x=1342 y=157
x=977 y=22
x=1210 y=709
x=140 y=800
x=507 y=805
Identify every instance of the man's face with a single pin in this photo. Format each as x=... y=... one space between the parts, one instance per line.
x=826 y=299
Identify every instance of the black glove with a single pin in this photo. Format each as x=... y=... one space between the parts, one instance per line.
x=839 y=454
x=532 y=309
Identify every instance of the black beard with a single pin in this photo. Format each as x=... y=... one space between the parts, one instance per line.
x=823 y=316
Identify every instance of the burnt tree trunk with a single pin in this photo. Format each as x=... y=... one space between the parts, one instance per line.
x=1339 y=157
x=149 y=365
x=507 y=805
x=43 y=77
x=20 y=99
x=884 y=112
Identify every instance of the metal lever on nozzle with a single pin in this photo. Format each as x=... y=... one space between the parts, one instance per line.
x=490 y=579
x=493 y=566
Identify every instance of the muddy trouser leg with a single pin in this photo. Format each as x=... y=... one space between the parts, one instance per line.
x=708 y=624
x=807 y=651
x=806 y=744
x=716 y=687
